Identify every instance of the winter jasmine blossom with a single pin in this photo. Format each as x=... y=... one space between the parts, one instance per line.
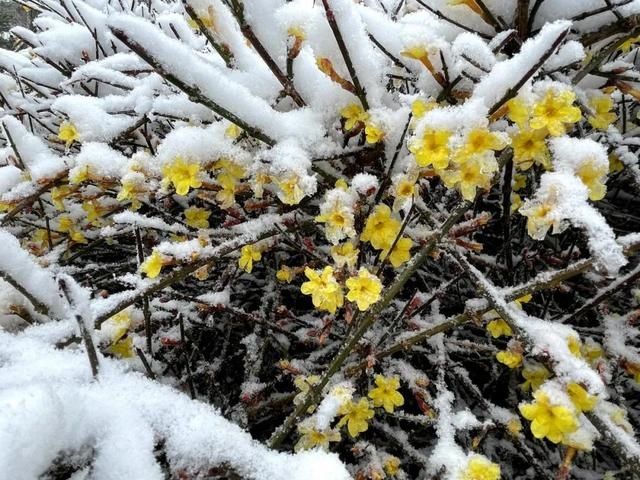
x=386 y=394
x=356 y=416
x=364 y=289
x=326 y=293
x=152 y=265
x=248 y=255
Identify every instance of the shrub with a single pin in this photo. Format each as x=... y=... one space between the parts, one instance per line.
x=404 y=232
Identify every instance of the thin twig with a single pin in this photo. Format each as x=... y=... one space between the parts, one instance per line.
x=333 y=24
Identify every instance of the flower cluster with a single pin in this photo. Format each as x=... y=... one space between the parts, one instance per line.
x=402 y=232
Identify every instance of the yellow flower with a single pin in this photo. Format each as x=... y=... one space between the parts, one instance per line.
x=514 y=427
x=391 y=466
x=518 y=112
x=68 y=133
x=326 y=293
x=152 y=265
x=296 y=31
x=354 y=116
x=416 y=52
x=516 y=202
x=581 y=398
x=197 y=217
x=421 y=53
x=615 y=164
x=591 y=351
x=535 y=375
x=341 y=184
x=259 y=181
x=40 y=239
x=404 y=189
x=118 y=325
x=419 y=107
x=364 y=289
x=549 y=420
x=313 y=438
x=480 y=467
x=386 y=393
x=233 y=131
x=80 y=174
x=401 y=252
x=381 y=229
x=304 y=383
x=628 y=44
x=538 y=218
x=207 y=18
x=529 y=146
x=478 y=142
x=575 y=346
x=182 y=175
x=94 y=210
x=230 y=167
x=554 y=111
x=345 y=254
x=472 y=4
x=509 y=358
x=58 y=194
x=603 y=117
x=338 y=222
x=593 y=176
x=498 y=328
x=290 y=192
x=122 y=348
x=619 y=417
x=129 y=191
x=226 y=196
x=285 y=274
x=523 y=299
x=519 y=182
x=248 y=255
x=374 y=133
x=468 y=176
x=67 y=225
x=432 y=148
x=356 y=416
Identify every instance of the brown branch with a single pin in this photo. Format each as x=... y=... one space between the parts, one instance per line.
x=249 y=34
x=513 y=91
x=222 y=50
x=370 y=317
x=333 y=24
x=193 y=92
x=84 y=331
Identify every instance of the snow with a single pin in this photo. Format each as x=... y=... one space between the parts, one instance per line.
x=40 y=161
x=507 y=74
x=216 y=85
x=10 y=176
x=367 y=61
x=364 y=183
x=568 y=197
x=201 y=145
x=143 y=221
x=40 y=283
x=135 y=116
x=101 y=159
x=221 y=298
x=92 y=116
x=447 y=453
x=49 y=404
